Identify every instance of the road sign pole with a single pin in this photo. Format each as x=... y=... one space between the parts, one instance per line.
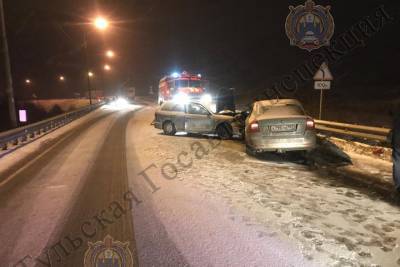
x=322 y=81
x=320 y=103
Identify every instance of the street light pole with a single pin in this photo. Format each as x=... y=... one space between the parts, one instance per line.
x=101 y=24
x=89 y=87
x=7 y=65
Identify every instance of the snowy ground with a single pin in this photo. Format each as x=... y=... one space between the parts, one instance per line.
x=219 y=207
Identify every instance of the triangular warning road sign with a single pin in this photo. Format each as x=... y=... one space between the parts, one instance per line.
x=323 y=73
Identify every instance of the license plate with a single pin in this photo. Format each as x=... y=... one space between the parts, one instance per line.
x=283 y=128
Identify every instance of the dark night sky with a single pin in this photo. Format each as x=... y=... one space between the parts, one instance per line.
x=239 y=44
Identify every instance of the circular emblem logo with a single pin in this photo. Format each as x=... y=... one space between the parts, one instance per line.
x=310 y=26
x=108 y=253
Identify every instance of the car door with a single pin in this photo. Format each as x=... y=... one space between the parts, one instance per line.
x=198 y=119
x=172 y=112
x=179 y=118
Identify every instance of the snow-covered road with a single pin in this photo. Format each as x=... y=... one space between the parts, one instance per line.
x=197 y=201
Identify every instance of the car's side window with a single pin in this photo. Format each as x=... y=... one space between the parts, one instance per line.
x=173 y=107
x=166 y=107
x=196 y=109
x=178 y=107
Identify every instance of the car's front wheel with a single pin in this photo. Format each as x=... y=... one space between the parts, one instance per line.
x=169 y=128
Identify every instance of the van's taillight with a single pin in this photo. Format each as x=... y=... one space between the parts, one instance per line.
x=310 y=124
x=254 y=127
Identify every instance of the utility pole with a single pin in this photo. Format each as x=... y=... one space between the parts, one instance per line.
x=7 y=65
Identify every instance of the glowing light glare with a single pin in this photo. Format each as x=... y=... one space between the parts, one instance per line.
x=107 y=67
x=175 y=75
x=206 y=98
x=101 y=23
x=181 y=98
x=120 y=103
x=110 y=54
x=90 y=74
x=213 y=107
x=61 y=78
x=27 y=81
x=199 y=75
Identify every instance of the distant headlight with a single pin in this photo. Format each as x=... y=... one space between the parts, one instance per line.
x=120 y=102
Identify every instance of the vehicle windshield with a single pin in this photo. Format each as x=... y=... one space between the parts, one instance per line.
x=195 y=83
x=279 y=110
x=182 y=83
x=188 y=83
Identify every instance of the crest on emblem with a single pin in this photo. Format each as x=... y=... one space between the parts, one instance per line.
x=310 y=26
x=108 y=253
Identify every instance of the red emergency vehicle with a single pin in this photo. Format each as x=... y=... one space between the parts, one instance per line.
x=190 y=85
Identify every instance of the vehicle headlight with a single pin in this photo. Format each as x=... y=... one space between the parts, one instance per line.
x=181 y=98
x=120 y=102
x=206 y=98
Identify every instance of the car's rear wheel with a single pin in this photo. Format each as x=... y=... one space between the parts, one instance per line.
x=224 y=132
x=169 y=128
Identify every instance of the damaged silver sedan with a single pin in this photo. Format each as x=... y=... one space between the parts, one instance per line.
x=194 y=117
x=280 y=126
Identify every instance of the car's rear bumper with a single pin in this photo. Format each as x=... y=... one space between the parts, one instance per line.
x=261 y=143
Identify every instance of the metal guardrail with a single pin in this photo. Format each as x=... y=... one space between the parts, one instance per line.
x=353 y=130
x=15 y=136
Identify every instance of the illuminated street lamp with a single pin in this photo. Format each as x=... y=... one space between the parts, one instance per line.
x=101 y=23
x=110 y=54
x=61 y=78
x=28 y=81
x=107 y=67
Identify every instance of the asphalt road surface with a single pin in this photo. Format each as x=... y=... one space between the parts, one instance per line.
x=189 y=201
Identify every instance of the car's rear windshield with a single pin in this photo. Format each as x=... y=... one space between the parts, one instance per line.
x=279 y=110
